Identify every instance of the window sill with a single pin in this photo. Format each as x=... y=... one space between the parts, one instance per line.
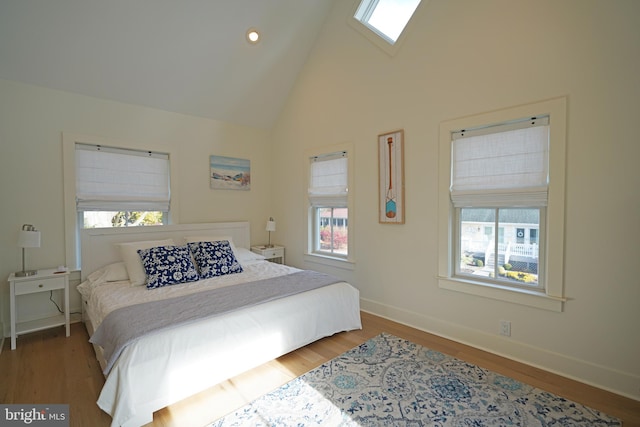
x=518 y=296
x=329 y=261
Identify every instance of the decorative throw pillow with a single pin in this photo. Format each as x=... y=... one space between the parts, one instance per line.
x=214 y=258
x=196 y=239
x=168 y=265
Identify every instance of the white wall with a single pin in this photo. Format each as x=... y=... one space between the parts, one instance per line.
x=462 y=58
x=32 y=120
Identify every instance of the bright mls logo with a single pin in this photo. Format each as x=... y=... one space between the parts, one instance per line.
x=35 y=415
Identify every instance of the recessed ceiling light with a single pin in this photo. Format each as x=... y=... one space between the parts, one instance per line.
x=253 y=36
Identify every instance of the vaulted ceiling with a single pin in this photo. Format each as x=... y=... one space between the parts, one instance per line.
x=184 y=56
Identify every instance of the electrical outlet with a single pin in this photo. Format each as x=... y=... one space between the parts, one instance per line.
x=505 y=328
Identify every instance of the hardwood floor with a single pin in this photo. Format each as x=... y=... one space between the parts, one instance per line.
x=46 y=367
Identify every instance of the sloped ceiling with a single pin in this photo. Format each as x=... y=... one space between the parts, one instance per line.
x=184 y=56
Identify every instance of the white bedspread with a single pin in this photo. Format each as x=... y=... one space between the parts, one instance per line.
x=161 y=369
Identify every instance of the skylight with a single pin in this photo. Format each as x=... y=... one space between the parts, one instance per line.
x=387 y=18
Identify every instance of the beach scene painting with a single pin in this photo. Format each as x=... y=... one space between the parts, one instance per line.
x=229 y=173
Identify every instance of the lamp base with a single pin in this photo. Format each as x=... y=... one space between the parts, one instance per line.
x=25 y=273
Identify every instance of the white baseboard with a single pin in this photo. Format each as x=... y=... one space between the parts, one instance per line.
x=580 y=370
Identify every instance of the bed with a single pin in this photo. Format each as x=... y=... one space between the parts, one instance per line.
x=151 y=371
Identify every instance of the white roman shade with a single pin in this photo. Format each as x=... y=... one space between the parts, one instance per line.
x=328 y=180
x=110 y=179
x=501 y=166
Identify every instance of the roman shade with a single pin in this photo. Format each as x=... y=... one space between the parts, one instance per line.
x=109 y=179
x=328 y=180
x=501 y=166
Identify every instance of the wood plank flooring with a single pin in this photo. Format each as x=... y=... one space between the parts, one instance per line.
x=46 y=367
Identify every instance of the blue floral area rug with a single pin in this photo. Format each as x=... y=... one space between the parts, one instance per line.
x=388 y=381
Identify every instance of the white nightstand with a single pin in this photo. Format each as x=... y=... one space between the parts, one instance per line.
x=44 y=281
x=273 y=254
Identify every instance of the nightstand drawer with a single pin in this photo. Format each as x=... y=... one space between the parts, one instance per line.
x=272 y=253
x=35 y=285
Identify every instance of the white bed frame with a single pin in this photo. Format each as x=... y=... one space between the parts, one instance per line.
x=98 y=245
x=252 y=336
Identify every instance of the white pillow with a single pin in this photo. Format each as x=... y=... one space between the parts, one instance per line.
x=195 y=239
x=245 y=256
x=115 y=272
x=129 y=254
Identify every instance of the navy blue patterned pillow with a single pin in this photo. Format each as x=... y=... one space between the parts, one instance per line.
x=168 y=265
x=214 y=258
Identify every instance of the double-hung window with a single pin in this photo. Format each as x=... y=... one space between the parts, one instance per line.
x=118 y=187
x=499 y=183
x=328 y=204
x=106 y=186
x=502 y=207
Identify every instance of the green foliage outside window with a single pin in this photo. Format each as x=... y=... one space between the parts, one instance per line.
x=132 y=219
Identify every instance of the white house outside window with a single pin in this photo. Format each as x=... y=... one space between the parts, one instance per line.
x=501 y=212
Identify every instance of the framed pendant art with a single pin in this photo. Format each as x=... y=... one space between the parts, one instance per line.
x=391 y=177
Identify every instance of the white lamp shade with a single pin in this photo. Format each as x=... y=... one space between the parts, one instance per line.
x=29 y=239
x=271 y=225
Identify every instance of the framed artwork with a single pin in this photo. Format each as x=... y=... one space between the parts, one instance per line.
x=391 y=177
x=229 y=173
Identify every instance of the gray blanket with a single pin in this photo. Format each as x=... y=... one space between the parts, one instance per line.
x=125 y=325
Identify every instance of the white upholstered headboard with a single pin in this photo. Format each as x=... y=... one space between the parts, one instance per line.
x=98 y=245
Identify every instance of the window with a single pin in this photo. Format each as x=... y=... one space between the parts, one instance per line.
x=328 y=203
x=388 y=18
x=384 y=21
x=517 y=262
x=495 y=169
x=504 y=172
x=106 y=186
x=118 y=187
x=331 y=232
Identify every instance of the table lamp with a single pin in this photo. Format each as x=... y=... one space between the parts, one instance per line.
x=271 y=226
x=28 y=237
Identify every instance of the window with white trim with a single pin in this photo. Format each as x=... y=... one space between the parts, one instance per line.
x=329 y=204
x=502 y=204
x=387 y=18
x=118 y=187
x=499 y=181
x=383 y=22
